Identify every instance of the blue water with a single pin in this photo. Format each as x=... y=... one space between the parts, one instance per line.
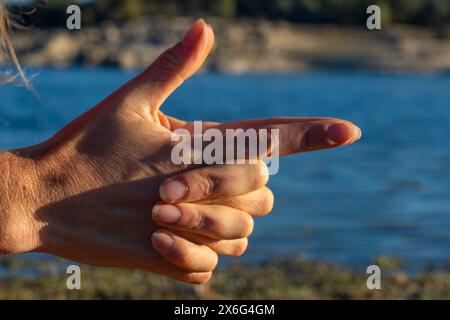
x=387 y=194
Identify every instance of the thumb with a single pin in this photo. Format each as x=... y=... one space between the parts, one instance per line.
x=172 y=67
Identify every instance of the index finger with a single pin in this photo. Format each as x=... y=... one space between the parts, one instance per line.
x=302 y=134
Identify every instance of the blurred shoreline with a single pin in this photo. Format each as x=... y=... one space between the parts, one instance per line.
x=248 y=45
x=291 y=278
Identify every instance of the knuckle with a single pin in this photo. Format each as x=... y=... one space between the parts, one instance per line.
x=309 y=136
x=196 y=220
x=240 y=247
x=170 y=60
x=261 y=176
x=247 y=225
x=208 y=185
x=188 y=259
x=211 y=225
x=267 y=202
x=184 y=257
x=215 y=261
x=200 y=220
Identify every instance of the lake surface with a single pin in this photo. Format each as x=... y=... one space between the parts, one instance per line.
x=387 y=194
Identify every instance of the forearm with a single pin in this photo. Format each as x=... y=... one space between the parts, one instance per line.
x=18 y=225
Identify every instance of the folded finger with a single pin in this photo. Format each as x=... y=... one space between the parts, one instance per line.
x=256 y=203
x=235 y=247
x=214 y=182
x=183 y=253
x=215 y=221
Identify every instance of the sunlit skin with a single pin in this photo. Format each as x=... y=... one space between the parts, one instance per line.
x=104 y=191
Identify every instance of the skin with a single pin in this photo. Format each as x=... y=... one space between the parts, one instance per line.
x=104 y=191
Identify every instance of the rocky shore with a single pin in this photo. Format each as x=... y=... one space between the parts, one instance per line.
x=292 y=278
x=242 y=46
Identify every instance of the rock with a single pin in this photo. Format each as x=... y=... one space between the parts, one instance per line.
x=242 y=46
x=112 y=32
x=61 y=50
x=137 y=55
x=94 y=55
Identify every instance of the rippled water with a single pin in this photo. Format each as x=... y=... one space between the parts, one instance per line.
x=387 y=194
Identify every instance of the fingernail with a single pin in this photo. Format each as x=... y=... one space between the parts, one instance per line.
x=166 y=213
x=193 y=34
x=162 y=241
x=173 y=190
x=339 y=133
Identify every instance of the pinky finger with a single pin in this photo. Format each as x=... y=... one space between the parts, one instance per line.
x=183 y=253
x=235 y=247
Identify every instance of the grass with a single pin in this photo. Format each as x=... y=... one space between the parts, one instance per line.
x=275 y=279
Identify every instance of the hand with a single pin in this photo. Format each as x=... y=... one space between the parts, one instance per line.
x=89 y=193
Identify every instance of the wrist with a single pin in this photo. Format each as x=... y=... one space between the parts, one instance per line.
x=19 y=226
